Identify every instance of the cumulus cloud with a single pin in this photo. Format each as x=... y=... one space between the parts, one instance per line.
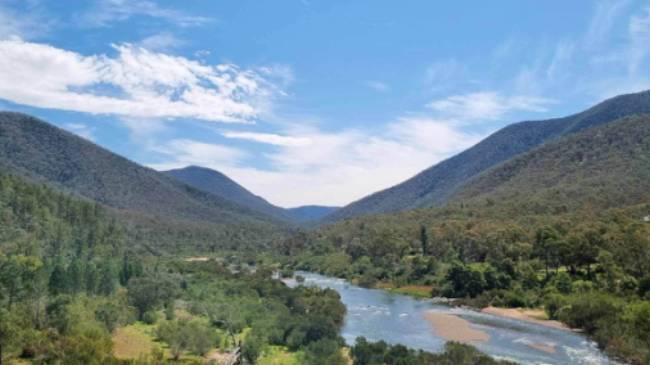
x=334 y=167
x=486 y=105
x=136 y=83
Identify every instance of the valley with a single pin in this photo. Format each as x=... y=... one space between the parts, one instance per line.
x=530 y=247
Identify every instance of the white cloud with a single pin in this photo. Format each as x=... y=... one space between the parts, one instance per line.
x=187 y=152
x=603 y=21
x=378 y=86
x=161 y=42
x=486 y=105
x=81 y=130
x=639 y=31
x=270 y=138
x=107 y=12
x=335 y=167
x=14 y=25
x=137 y=83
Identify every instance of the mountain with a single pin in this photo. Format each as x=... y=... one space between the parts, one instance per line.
x=437 y=184
x=599 y=168
x=310 y=213
x=215 y=182
x=44 y=153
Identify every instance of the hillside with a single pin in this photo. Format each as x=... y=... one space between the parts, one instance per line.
x=310 y=213
x=599 y=168
x=44 y=153
x=437 y=184
x=215 y=182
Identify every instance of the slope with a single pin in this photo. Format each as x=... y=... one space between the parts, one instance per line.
x=435 y=185
x=596 y=169
x=217 y=183
x=45 y=153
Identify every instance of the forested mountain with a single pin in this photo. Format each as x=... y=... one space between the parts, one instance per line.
x=41 y=152
x=437 y=184
x=596 y=169
x=216 y=183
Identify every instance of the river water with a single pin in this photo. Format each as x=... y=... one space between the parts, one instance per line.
x=395 y=318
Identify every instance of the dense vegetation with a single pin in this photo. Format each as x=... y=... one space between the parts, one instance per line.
x=67 y=283
x=437 y=184
x=221 y=185
x=561 y=227
x=379 y=353
x=148 y=200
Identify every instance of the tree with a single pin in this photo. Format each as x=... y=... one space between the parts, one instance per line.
x=146 y=293
x=9 y=332
x=324 y=352
x=58 y=283
x=252 y=348
x=106 y=279
x=75 y=277
x=91 y=279
x=547 y=243
x=424 y=240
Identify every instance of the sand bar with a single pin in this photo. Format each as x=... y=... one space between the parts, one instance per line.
x=453 y=328
x=525 y=315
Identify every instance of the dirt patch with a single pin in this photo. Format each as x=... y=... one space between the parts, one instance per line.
x=453 y=328
x=197 y=259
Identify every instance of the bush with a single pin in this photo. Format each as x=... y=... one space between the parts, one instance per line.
x=324 y=352
x=591 y=311
x=150 y=317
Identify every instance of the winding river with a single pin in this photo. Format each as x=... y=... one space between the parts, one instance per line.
x=381 y=315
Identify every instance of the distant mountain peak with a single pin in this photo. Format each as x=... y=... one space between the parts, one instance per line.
x=219 y=184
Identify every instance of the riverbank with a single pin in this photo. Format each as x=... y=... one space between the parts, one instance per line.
x=528 y=315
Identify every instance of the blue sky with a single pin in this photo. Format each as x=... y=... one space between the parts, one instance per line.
x=312 y=101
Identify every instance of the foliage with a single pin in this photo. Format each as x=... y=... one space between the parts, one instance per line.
x=369 y=353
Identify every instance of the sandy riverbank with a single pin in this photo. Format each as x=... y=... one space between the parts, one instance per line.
x=528 y=315
x=453 y=328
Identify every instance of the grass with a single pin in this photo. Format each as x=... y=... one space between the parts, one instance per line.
x=417 y=291
x=278 y=355
x=134 y=341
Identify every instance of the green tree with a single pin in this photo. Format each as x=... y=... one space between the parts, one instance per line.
x=424 y=240
x=75 y=276
x=106 y=279
x=58 y=283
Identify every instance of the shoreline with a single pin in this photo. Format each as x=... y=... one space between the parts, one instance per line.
x=526 y=316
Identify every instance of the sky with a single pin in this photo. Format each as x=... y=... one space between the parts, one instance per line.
x=312 y=101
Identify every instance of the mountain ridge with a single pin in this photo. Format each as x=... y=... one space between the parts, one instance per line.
x=219 y=184
x=438 y=183
x=45 y=153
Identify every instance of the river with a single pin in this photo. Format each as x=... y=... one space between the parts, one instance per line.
x=380 y=315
